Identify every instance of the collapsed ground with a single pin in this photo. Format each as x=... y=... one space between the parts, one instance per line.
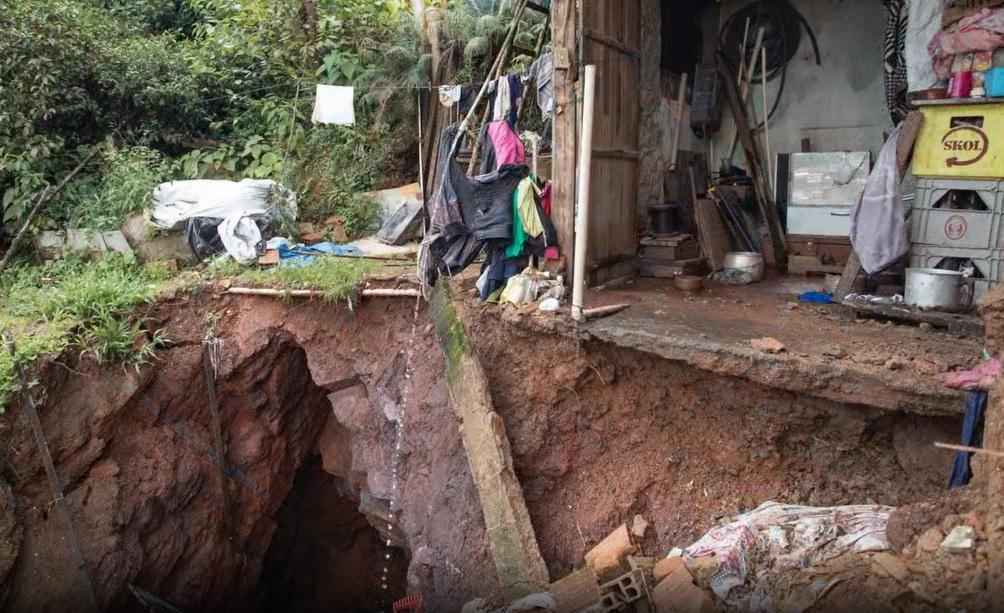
x=599 y=434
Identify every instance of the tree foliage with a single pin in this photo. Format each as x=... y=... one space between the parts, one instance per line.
x=209 y=88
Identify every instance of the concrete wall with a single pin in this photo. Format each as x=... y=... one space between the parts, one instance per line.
x=840 y=105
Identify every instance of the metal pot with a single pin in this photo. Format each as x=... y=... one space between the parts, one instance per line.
x=745 y=261
x=933 y=288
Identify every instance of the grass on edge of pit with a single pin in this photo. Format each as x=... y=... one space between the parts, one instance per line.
x=335 y=278
x=86 y=304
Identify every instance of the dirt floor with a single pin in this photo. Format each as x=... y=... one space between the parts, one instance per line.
x=827 y=351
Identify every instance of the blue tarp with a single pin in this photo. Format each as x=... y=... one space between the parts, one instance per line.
x=301 y=255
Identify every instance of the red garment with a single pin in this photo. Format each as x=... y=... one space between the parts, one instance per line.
x=545 y=199
x=508 y=147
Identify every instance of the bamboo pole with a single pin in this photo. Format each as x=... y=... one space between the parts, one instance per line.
x=603 y=311
x=42 y=199
x=681 y=99
x=313 y=293
x=501 y=62
x=766 y=124
x=967 y=449
x=742 y=52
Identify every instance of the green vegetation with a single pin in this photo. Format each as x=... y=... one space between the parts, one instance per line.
x=337 y=278
x=185 y=89
x=72 y=302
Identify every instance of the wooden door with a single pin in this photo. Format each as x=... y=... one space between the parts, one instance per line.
x=611 y=40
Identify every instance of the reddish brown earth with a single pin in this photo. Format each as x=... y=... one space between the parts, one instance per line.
x=598 y=434
x=135 y=450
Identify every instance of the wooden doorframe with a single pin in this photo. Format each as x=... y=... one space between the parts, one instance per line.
x=572 y=40
x=564 y=33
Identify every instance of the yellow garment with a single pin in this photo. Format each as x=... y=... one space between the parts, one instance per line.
x=526 y=204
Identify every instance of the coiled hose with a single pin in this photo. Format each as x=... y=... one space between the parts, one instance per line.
x=782 y=24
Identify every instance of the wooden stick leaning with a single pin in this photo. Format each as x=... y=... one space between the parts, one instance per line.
x=42 y=199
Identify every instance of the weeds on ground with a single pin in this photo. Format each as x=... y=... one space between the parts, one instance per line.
x=78 y=303
x=335 y=277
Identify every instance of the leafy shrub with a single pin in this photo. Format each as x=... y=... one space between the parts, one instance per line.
x=124 y=188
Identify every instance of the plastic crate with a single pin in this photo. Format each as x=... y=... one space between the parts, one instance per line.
x=965 y=140
x=954 y=228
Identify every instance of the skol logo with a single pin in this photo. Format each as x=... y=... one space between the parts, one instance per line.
x=968 y=143
x=956 y=227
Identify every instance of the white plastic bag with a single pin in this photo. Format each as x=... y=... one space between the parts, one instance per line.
x=240 y=236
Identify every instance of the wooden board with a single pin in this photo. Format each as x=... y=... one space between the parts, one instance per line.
x=953 y=323
x=611 y=40
x=806 y=264
x=713 y=234
x=563 y=31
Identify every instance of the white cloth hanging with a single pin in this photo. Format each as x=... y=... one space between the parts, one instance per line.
x=503 y=100
x=878 y=222
x=449 y=95
x=334 y=104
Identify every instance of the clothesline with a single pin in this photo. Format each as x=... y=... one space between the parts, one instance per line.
x=364 y=89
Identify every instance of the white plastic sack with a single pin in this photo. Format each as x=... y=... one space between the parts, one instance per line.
x=176 y=202
x=240 y=236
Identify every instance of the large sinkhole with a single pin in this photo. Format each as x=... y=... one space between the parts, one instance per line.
x=325 y=554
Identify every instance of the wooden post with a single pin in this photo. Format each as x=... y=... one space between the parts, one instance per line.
x=564 y=36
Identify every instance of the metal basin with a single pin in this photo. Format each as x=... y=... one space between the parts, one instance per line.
x=932 y=288
x=746 y=261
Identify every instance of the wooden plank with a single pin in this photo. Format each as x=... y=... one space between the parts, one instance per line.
x=768 y=210
x=714 y=237
x=613 y=44
x=953 y=323
x=511 y=539
x=613 y=31
x=804 y=264
x=616 y=153
x=563 y=32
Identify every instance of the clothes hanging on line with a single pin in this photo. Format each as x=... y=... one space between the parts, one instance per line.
x=508 y=91
x=334 y=105
x=449 y=95
x=508 y=147
x=542 y=71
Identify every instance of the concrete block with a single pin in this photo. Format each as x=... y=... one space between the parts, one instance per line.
x=150 y=247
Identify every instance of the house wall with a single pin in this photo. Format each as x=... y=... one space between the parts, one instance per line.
x=839 y=106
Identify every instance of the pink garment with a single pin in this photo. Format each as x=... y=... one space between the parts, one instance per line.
x=982 y=377
x=981 y=31
x=508 y=147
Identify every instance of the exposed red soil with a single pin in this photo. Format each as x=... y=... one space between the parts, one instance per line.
x=134 y=449
x=600 y=434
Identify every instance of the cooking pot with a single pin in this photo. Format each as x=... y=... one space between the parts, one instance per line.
x=942 y=290
x=745 y=261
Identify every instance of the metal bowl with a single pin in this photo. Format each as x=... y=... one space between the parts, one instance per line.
x=688 y=283
x=746 y=261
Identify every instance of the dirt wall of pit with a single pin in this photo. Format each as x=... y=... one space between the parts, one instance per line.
x=598 y=434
